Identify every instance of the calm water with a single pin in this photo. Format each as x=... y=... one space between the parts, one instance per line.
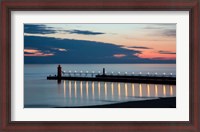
x=40 y=92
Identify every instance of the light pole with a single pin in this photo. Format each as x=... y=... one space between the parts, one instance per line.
x=70 y=73
x=125 y=73
x=92 y=73
x=80 y=73
x=133 y=73
x=140 y=73
x=148 y=73
x=86 y=73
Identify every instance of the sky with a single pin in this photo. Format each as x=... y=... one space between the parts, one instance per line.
x=99 y=43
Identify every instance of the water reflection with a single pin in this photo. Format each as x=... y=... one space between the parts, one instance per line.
x=99 y=89
x=105 y=89
x=81 y=89
x=93 y=89
x=87 y=89
x=148 y=90
x=140 y=90
x=114 y=91
x=171 y=91
x=164 y=90
x=119 y=90
x=133 y=89
x=70 y=89
x=64 y=83
x=75 y=88
x=126 y=90
x=156 y=90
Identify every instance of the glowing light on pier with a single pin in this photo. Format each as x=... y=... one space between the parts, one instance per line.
x=164 y=74
x=92 y=73
x=69 y=73
x=148 y=90
x=86 y=73
x=80 y=73
x=133 y=89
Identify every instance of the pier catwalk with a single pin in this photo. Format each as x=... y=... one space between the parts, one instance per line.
x=114 y=78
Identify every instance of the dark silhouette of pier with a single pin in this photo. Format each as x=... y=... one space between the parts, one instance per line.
x=150 y=79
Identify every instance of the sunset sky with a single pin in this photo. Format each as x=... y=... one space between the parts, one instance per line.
x=100 y=43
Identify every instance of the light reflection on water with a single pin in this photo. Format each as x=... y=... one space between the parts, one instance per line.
x=113 y=91
x=38 y=91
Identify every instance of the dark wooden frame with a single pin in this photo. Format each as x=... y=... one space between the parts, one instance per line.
x=193 y=6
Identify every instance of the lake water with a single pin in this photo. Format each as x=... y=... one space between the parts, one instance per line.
x=42 y=93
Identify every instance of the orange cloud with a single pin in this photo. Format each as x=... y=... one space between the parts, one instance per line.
x=150 y=54
x=119 y=55
x=34 y=52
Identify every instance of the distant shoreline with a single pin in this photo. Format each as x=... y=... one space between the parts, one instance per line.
x=168 y=102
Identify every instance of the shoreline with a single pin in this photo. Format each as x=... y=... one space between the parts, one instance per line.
x=168 y=102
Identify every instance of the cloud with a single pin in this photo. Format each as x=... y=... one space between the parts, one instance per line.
x=38 y=29
x=163 y=58
x=34 y=52
x=137 y=54
x=139 y=47
x=152 y=27
x=169 y=32
x=164 y=33
x=84 y=32
x=166 y=52
x=119 y=55
x=160 y=26
x=43 y=29
x=60 y=49
x=79 y=52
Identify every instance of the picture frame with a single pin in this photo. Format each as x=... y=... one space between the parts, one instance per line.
x=193 y=6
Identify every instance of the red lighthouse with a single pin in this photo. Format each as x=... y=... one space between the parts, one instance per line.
x=59 y=74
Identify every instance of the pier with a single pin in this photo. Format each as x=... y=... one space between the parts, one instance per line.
x=113 y=77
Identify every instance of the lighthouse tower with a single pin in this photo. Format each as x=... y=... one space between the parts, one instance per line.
x=59 y=74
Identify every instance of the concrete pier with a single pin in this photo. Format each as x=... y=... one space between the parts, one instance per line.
x=133 y=79
x=115 y=78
